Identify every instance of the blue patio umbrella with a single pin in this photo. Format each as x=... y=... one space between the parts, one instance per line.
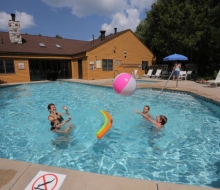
x=175 y=57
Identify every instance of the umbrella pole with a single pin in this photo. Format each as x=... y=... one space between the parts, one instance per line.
x=166 y=83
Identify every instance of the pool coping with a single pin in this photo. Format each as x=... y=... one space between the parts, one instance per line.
x=16 y=175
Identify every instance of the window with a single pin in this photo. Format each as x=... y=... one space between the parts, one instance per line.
x=7 y=66
x=107 y=64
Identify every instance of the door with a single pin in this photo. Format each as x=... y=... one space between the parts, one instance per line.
x=145 y=66
x=80 y=74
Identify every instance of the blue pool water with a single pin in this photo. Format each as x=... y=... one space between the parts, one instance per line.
x=186 y=151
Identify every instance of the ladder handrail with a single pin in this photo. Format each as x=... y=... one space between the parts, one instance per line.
x=166 y=83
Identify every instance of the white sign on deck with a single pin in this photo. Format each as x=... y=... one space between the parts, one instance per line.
x=46 y=180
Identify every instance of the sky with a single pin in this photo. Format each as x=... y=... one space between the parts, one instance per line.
x=74 y=19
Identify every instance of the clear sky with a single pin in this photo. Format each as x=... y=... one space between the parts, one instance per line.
x=74 y=19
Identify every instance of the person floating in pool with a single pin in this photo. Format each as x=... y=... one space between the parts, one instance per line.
x=161 y=120
x=146 y=110
x=56 y=125
x=54 y=115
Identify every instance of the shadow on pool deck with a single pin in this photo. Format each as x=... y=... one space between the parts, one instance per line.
x=16 y=175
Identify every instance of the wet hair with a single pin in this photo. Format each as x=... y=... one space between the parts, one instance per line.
x=52 y=128
x=147 y=107
x=49 y=106
x=52 y=123
x=163 y=119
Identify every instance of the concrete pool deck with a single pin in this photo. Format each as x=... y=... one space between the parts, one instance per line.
x=16 y=175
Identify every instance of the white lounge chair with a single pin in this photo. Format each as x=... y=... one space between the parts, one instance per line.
x=182 y=75
x=216 y=81
x=188 y=73
x=157 y=74
x=149 y=73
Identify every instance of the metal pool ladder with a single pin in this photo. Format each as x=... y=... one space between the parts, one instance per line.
x=165 y=84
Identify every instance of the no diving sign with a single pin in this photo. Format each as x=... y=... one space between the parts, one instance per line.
x=46 y=181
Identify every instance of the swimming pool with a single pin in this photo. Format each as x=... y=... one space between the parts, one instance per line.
x=186 y=151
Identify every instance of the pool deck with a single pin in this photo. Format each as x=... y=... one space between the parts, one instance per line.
x=16 y=175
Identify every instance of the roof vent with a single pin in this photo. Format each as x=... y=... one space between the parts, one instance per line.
x=58 y=46
x=102 y=34
x=42 y=45
x=115 y=30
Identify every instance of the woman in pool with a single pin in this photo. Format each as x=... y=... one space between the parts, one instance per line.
x=56 y=125
x=54 y=115
x=161 y=120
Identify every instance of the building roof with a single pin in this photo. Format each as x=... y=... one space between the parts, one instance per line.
x=31 y=44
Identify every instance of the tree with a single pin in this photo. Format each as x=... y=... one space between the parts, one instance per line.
x=58 y=36
x=189 y=27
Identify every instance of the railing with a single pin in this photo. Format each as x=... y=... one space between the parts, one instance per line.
x=166 y=84
x=131 y=65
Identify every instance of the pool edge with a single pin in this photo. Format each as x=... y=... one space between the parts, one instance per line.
x=78 y=180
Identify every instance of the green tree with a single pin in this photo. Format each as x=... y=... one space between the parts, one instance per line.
x=189 y=27
x=58 y=36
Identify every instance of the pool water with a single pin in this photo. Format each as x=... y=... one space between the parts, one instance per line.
x=186 y=151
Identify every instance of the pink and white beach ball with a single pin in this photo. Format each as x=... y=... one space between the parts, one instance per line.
x=124 y=84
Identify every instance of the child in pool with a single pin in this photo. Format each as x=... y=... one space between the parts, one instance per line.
x=56 y=125
x=146 y=110
x=161 y=120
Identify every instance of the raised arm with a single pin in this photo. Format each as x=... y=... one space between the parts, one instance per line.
x=64 y=131
x=64 y=122
x=147 y=117
x=66 y=109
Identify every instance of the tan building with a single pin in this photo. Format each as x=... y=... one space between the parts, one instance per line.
x=25 y=58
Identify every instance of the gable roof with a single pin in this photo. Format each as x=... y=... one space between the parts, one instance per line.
x=30 y=44
x=97 y=42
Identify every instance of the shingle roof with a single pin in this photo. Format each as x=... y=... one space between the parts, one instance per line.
x=31 y=45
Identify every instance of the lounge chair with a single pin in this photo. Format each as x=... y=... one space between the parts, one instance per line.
x=216 y=81
x=188 y=73
x=157 y=74
x=149 y=73
x=182 y=75
x=164 y=74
